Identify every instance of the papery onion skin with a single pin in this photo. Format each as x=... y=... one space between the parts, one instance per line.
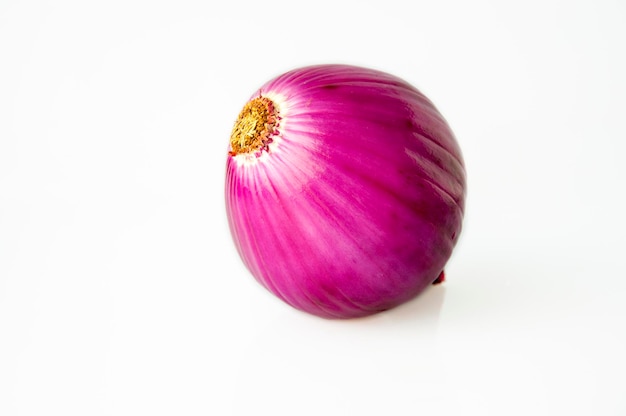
x=355 y=202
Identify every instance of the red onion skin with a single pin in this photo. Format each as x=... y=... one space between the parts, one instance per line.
x=356 y=205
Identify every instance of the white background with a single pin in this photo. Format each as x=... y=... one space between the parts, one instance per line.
x=121 y=292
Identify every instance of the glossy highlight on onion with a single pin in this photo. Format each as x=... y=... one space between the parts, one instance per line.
x=345 y=190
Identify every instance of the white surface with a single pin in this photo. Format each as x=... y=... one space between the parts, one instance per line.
x=122 y=294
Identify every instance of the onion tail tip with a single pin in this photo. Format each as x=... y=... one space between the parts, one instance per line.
x=440 y=279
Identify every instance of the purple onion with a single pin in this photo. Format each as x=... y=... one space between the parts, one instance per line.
x=345 y=190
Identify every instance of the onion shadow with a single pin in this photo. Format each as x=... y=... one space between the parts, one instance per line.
x=423 y=311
